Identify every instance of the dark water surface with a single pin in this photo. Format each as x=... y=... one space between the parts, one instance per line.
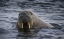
x=49 y=11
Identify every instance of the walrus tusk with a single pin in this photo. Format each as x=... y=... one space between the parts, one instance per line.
x=22 y=25
x=29 y=25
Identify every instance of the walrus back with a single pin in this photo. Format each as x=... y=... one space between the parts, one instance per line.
x=40 y=23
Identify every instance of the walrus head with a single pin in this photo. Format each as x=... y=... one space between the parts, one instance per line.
x=25 y=19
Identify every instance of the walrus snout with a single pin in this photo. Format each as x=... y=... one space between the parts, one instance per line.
x=24 y=21
x=26 y=25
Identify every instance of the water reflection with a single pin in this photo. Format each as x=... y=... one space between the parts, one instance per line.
x=27 y=34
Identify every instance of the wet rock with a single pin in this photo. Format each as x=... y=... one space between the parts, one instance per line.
x=3 y=31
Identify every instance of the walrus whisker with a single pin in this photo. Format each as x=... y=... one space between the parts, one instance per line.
x=22 y=25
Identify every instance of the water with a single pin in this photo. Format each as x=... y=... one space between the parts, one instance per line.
x=50 y=11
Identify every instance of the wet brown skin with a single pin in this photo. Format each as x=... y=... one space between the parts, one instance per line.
x=27 y=19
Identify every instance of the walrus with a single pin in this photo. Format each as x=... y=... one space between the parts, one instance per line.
x=28 y=19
